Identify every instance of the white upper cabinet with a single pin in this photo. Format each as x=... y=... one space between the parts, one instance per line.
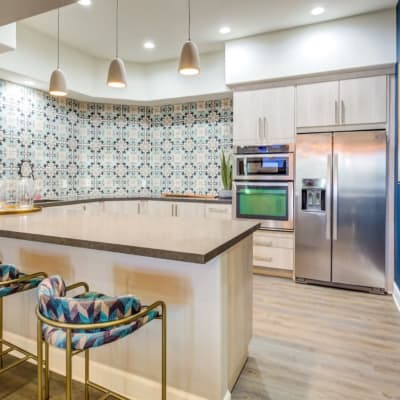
x=346 y=102
x=363 y=101
x=264 y=116
x=317 y=104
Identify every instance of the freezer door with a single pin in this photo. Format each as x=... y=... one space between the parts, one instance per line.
x=359 y=207
x=313 y=226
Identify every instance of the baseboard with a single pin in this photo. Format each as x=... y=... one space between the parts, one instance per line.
x=276 y=272
x=228 y=395
x=133 y=386
x=396 y=295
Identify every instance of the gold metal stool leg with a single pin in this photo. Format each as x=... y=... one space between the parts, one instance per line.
x=164 y=353
x=86 y=374
x=68 y=369
x=46 y=372
x=39 y=362
x=1 y=333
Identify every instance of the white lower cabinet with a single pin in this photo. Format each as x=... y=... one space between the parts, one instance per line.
x=273 y=250
x=218 y=211
x=189 y=210
x=123 y=206
x=160 y=208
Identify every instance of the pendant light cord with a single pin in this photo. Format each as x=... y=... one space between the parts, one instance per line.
x=58 y=38
x=189 y=20
x=116 y=30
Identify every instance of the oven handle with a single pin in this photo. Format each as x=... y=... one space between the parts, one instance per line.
x=263 y=184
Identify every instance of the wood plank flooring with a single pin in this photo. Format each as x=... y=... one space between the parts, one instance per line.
x=310 y=343
x=314 y=343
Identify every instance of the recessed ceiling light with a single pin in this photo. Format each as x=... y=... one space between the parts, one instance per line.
x=148 y=44
x=28 y=82
x=224 y=30
x=317 y=10
x=85 y=2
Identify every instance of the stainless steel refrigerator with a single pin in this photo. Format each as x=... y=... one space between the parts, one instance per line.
x=340 y=209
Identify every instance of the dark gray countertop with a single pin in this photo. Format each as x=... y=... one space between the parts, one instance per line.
x=55 y=203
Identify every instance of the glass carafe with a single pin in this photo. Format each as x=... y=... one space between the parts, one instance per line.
x=25 y=192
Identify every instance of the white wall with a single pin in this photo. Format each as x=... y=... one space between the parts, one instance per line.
x=353 y=42
x=36 y=55
x=8 y=37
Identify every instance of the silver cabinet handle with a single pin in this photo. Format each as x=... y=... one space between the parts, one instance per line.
x=261 y=243
x=343 y=112
x=138 y=208
x=172 y=210
x=336 y=112
x=259 y=129
x=176 y=210
x=265 y=130
x=327 y=199
x=335 y=195
x=267 y=259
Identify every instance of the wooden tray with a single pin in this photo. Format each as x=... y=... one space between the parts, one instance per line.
x=11 y=210
x=190 y=196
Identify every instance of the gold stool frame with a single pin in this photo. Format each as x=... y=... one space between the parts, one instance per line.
x=10 y=346
x=69 y=353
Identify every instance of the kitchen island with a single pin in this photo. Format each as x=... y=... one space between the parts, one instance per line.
x=200 y=268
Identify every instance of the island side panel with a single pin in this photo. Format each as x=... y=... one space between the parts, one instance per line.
x=236 y=265
x=193 y=293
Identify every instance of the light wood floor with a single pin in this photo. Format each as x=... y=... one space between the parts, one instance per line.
x=314 y=343
x=310 y=343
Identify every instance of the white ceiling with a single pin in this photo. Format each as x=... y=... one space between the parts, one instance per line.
x=91 y=29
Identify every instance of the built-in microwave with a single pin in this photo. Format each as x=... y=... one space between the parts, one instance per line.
x=269 y=202
x=264 y=163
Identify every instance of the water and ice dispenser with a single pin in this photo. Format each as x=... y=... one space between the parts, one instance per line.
x=313 y=193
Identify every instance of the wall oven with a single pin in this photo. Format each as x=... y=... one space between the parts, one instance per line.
x=263 y=185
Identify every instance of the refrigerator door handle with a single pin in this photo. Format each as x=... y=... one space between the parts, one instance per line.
x=335 y=195
x=328 y=202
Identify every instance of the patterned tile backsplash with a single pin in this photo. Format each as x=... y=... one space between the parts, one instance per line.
x=81 y=149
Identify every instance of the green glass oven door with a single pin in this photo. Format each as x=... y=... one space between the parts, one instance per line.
x=271 y=202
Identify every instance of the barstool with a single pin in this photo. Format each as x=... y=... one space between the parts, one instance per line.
x=13 y=281
x=89 y=320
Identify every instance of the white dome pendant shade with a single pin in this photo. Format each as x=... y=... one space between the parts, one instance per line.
x=58 y=83
x=189 y=62
x=116 y=72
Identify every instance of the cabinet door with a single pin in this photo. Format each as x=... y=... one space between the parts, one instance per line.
x=189 y=210
x=160 y=208
x=218 y=211
x=278 y=115
x=247 y=118
x=317 y=104
x=363 y=101
x=122 y=207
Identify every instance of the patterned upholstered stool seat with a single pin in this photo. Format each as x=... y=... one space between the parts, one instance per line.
x=89 y=320
x=87 y=308
x=11 y=273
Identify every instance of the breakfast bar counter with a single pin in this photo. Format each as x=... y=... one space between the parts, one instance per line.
x=200 y=268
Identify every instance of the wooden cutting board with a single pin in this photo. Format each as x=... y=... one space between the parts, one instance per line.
x=190 y=196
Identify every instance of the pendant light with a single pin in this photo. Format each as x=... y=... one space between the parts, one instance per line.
x=58 y=83
x=116 y=72
x=189 y=63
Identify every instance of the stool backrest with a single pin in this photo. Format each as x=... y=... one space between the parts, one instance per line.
x=88 y=308
x=8 y=272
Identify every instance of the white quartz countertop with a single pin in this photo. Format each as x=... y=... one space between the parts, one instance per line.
x=175 y=238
